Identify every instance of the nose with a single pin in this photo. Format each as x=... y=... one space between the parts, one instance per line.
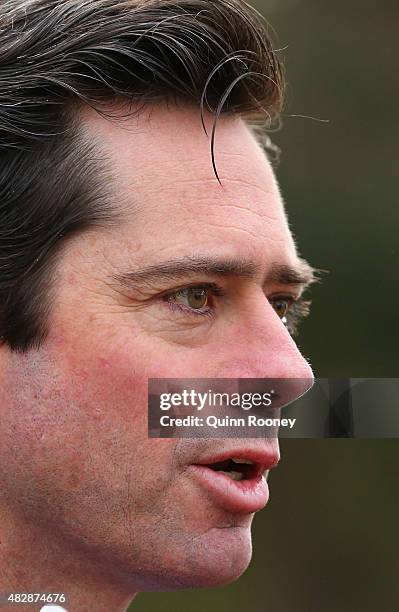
x=262 y=348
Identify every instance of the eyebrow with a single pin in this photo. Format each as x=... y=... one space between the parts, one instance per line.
x=302 y=274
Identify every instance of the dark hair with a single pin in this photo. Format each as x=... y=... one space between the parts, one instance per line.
x=57 y=56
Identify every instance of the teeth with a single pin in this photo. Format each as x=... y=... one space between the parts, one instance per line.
x=242 y=461
x=233 y=475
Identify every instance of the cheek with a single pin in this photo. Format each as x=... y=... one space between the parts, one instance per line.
x=109 y=390
x=76 y=428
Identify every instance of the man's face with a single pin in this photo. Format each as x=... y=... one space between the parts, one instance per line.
x=80 y=461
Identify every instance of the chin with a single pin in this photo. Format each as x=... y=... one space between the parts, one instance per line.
x=218 y=558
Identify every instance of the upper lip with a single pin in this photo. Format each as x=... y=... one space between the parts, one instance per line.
x=263 y=459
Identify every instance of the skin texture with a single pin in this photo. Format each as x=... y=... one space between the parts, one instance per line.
x=89 y=505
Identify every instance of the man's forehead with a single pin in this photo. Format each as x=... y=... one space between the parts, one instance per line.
x=162 y=171
x=160 y=163
x=170 y=141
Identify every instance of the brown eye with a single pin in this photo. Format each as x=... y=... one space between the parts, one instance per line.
x=193 y=297
x=281 y=306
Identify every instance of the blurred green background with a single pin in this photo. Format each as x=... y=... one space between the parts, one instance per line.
x=329 y=539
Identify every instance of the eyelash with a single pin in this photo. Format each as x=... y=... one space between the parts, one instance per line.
x=297 y=309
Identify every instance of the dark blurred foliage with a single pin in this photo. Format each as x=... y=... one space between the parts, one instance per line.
x=328 y=540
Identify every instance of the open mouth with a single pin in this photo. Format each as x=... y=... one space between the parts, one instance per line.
x=236 y=479
x=236 y=469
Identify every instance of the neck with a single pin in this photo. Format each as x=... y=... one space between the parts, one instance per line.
x=35 y=561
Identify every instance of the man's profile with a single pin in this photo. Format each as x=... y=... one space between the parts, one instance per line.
x=142 y=235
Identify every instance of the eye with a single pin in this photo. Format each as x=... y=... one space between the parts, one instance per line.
x=281 y=305
x=291 y=311
x=194 y=300
x=192 y=297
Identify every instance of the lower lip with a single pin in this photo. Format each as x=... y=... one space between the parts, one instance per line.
x=244 y=496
